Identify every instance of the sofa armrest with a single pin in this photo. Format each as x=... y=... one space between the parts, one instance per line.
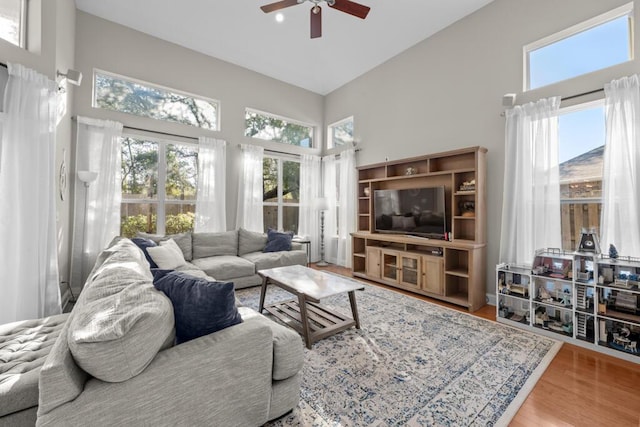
x=220 y=379
x=295 y=246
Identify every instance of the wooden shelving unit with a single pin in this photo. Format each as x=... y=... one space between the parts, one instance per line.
x=451 y=270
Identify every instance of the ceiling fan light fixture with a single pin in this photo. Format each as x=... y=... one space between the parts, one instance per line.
x=331 y=2
x=315 y=9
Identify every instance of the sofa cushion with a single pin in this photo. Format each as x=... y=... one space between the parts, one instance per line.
x=167 y=256
x=200 y=307
x=144 y=244
x=225 y=267
x=215 y=244
x=288 y=351
x=250 y=241
x=183 y=240
x=264 y=260
x=193 y=270
x=24 y=346
x=120 y=321
x=277 y=241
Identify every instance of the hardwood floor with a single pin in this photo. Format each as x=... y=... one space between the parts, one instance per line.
x=579 y=388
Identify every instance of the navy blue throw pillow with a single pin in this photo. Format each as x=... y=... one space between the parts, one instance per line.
x=143 y=244
x=277 y=241
x=200 y=307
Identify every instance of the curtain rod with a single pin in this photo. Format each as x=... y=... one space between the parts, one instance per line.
x=160 y=133
x=566 y=98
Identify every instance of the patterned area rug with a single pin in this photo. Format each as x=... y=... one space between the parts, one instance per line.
x=413 y=363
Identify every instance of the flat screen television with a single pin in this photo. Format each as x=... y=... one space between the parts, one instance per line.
x=415 y=211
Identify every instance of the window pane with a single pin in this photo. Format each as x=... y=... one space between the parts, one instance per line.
x=270 y=179
x=11 y=20
x=147 y=100
x=290 y=218
x=341 y=133
x=590 y=50
x=137 y=217
x=278 y=129
x=179 y=218
x=270 y=217
x=291 y=182
x=139 y=169
x=182 y=172
x=582 y=138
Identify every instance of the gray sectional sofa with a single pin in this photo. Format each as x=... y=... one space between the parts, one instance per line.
x=114 y=361
x=234 y=256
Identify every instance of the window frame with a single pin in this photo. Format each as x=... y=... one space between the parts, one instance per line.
x=583 y=200
x=161 y=197
x=330 y=143
x=312 y=128
x=281 y=203
x=618 y=12
x=97 y=71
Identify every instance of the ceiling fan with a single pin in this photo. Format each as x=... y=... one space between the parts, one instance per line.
x=346 y=6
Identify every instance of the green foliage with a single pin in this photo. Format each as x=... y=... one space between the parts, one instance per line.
x=146 y=100
x=277 y=129
x=174 y=224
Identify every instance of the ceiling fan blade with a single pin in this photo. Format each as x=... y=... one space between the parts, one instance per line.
x=272 y=7
x=352 y=8
x=316 y=22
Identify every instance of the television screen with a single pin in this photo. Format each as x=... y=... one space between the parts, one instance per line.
x=417 y=211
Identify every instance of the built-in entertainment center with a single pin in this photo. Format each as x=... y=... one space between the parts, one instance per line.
x=422 y=225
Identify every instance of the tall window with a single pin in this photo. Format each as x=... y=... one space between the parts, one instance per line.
x=13 y=21
x=281 y=195
x=126 y=95
x=581 y=142
x=598 y=43
x=270 y=127
x=340 y=133
x=159 y=181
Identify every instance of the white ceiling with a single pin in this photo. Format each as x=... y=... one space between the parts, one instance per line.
x=239 y=32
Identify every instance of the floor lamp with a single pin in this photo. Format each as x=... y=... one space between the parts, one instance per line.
x=87 y=177
x=322 y=204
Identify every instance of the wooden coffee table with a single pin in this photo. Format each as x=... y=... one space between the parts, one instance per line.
x=304 y=313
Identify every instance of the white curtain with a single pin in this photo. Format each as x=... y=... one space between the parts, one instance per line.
x=249 y=213
x=97 y=203
x=330 y=191
x=531 y=199
x=29 y=260
x=620 y=222
x=309 y=220
x=348 y=197
x=212 y=171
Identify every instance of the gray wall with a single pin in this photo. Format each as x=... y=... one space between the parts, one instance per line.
x=446 y=92
x=51 y=48
x=111 y=47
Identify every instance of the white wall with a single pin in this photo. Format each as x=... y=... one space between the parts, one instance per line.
x=446 y=92
x=111 y=47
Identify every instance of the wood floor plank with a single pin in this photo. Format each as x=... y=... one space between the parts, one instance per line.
x=579 y=388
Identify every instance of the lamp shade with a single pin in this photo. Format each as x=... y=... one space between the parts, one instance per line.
x=322 y=204
x=87 y=176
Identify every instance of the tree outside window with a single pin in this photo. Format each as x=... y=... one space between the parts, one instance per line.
x=281 y=193
x=157 y=196
x=278 y=129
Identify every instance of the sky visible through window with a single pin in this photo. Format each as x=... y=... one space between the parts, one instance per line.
x=590 y=50
x=583 y=130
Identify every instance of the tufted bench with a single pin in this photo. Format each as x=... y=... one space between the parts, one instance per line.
x=24 y=346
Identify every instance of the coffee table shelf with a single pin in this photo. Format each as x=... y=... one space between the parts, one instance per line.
x=322 y=321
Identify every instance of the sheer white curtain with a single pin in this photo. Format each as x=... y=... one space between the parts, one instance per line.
x=531 y=199
x=309 y=219
x=249 y=214
x=330 y=191
x=347 y=211
x=212 y=171
x=97 y=203
x=29 y=261
x=620 y=221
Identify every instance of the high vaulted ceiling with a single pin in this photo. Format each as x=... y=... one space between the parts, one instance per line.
x=239 y=32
